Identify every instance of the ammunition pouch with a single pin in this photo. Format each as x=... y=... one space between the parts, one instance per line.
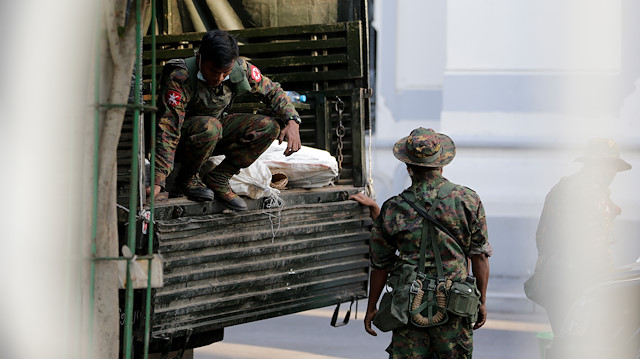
x=425 y=302
x=464 y=299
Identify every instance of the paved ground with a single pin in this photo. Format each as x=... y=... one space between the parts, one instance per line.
x=510 y=333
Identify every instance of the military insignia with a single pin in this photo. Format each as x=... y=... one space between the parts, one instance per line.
x=255 y=74
x=173 y=98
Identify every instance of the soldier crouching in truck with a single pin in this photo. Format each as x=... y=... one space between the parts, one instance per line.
x=194 y=98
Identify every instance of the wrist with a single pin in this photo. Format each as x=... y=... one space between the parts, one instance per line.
x=295 y=119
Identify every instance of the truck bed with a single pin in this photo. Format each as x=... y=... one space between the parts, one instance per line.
x=223 y=268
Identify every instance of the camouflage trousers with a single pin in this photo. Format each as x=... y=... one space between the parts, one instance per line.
x=242 y=138
x=453 y=340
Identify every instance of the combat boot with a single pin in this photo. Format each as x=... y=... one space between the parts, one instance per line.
x=194 y=189
x=218 y=180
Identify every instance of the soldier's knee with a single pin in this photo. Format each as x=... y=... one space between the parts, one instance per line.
x=271 y=127
x=208 y=130
x=215 y=128
x=265 y=129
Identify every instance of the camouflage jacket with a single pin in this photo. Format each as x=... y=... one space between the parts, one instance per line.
x=177 y=100
x=399 y=228
x=575 y=228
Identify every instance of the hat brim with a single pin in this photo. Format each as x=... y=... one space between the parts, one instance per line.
x=446 y=155
x=619 y=163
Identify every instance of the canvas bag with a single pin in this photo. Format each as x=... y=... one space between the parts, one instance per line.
x=394 y=306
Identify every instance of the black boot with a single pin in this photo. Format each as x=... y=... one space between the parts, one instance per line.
x=194 y=189
x=218 y=180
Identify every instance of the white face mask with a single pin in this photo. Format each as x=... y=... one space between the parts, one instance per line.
x=200 y=76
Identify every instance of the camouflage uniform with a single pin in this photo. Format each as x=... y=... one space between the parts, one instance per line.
x=194 y=125
x=399 y=228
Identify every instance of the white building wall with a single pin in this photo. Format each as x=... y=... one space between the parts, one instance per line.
x=520 y=86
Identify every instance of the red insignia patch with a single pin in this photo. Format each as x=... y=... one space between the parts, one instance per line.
x=255 y=74
x=173 y=98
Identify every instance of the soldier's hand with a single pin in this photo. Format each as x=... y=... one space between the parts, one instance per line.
x=368 y=318
x=291 y=133
x=157 y=194
x=363 y=199
x=156 y=190
x=482 y=316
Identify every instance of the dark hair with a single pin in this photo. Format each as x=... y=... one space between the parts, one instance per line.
x=219 y=47
x=421 y=171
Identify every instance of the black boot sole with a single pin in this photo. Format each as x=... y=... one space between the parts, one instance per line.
x=200 y=195
x=239 y=205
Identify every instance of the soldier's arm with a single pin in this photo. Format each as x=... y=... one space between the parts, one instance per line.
x=269 y=92
x=173 y=99
x=382 y=255
x=376 y=284
x=480 y=268
x=272 y=94
x=479 y=253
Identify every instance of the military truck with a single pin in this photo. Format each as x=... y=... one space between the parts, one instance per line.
x=222 y=268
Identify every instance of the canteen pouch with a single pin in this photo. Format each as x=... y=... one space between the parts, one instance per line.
x=464 y=298
x=394 y=306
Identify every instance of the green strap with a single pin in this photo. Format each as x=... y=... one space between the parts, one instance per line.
x=423 y=246
x=428 y=229
x=429 y=289
x=436 y=248
x=237 y=77
x=431 y=300
x=192 y=69
x=442 y=193
x=426 y=303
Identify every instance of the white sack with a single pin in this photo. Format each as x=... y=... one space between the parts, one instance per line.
x=253 y=181
x=308 y=168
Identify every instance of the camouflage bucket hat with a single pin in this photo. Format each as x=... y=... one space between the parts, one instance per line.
x=425 y=147
x=604 y=150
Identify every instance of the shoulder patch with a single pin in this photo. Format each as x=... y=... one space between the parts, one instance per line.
x=255 y=74
x=173 y=98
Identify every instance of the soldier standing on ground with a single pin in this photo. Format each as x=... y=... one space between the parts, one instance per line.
x=194 y=98
x=575 y=231
x=396 y=238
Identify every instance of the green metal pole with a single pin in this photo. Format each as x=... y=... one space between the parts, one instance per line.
x=133 y=205
x=147 y=320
